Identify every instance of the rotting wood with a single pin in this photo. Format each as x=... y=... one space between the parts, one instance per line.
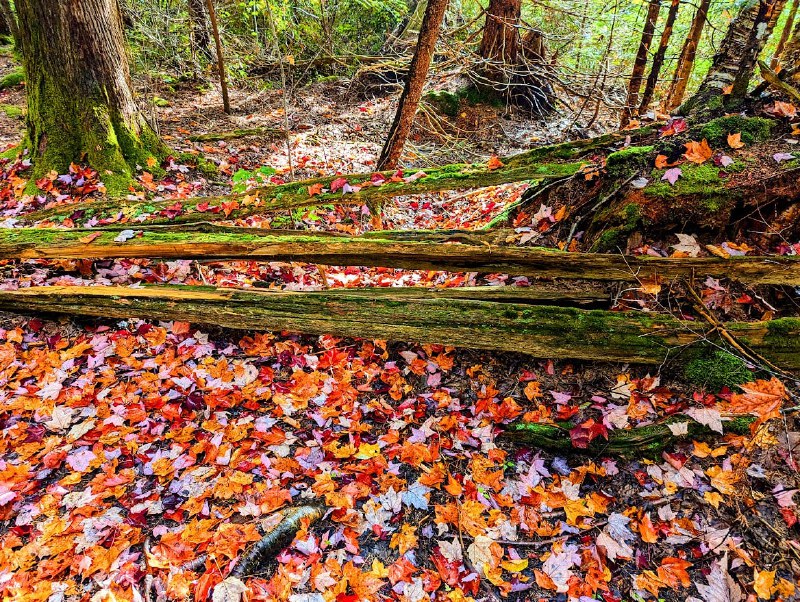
x=543 y=163
x=643 y=441
x=540 y=331
x=446 y=250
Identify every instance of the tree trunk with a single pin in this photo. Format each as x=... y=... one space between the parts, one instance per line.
x=80 y=103
x=735 y=62
x=637 y=75
x=412 y=92
x=787 y=30
x=658 y=59
x=10 y=19
x=501 y=41
x=683 y=70
x=200 y=35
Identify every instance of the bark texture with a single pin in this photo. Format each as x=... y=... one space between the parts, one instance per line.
x=80 y=103
x=735 y=62
x=683 y=70
x=785 y=33
x=639 y=64
x=200 y=35
x=501 y=40
x=412 y=92
x=658 y=58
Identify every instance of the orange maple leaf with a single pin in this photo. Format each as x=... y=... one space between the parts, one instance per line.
x=672 y=572
x=315 y=189
x=661 y=162
x=735 y=140
x=698 y=152
x=761 y=398
x=494 y=163
x=405 y=539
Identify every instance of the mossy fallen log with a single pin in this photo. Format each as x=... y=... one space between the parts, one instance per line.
x=307 y=193
x=538 y=330
x=448 y=250
x=643 y=441
x=235 y=134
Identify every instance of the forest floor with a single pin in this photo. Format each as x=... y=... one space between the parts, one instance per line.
x=130 y=449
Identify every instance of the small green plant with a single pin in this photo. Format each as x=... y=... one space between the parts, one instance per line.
x=244 y=179
x=720 y=369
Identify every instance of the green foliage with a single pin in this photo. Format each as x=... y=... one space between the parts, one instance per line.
x=720 y=369
x=244 y=179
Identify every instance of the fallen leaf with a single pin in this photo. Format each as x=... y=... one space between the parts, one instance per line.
x=763 y=582
x=687 y=244
x=494 y=163
x=735 y=140
x=698 y=152
x=779 y=157
x=672 y=175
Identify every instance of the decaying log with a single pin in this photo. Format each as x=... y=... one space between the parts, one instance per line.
x=643 y=441
x=456 y=250
x=537 y=330
x=544 y=164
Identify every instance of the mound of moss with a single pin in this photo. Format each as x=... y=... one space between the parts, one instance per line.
x=718 y=370
x=13 y=79
x=752 y=129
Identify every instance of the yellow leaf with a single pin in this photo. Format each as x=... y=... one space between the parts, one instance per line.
x=379 y=569
x=151 y=162
x=367 y=451
x=515 y=566
x=713 y=498
x=763 y=582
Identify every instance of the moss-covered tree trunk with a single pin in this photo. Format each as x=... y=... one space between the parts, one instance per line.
x=80 y=103
x=730 y=73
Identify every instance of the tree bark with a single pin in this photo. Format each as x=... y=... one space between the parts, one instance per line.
x=200 y=34
x=658 y=59
x=683 y=70
x=785 y=33
x=80 y=103
x=637 y=75
x=539 y=330
x=412 y=92
x=501 y=41
x=735 y=62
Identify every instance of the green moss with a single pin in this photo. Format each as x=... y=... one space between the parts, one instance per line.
x=12 y=111
x=720 y=369
x=12 y=153
x=609 y=240
x=13 y=79
x=199 y=162
x=160 y=102
x=627 y=155
x=752 y=129
x=446 y=102
x=695 y=179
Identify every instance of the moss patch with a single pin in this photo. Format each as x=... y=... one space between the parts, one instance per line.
x=753 y=129
x=12 y=111
x=720 y=369
x=13 y=79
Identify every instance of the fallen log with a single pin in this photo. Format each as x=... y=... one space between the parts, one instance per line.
x=538 y=330
x=448 y=250
x=643 y=441
x=234 y=134
x=307 y=193
x=544 y=163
